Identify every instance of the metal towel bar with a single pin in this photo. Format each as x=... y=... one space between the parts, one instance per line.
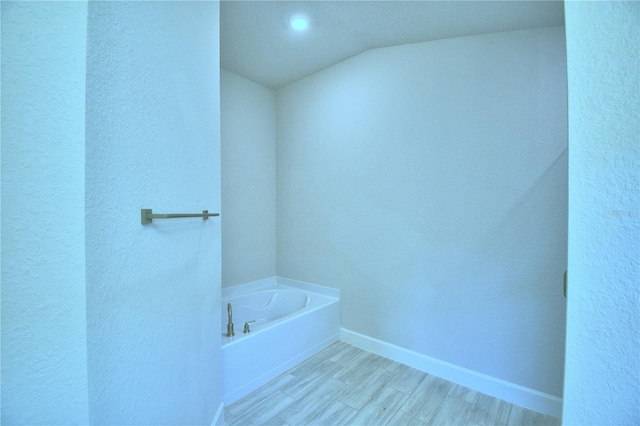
x=147 y=215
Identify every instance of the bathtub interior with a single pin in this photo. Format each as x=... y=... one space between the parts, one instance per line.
x=263 y=307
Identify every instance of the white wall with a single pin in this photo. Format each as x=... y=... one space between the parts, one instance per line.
x=428 y=182
x=602 y=378
x=248 y=125
x=153 y=291
x=44 y=350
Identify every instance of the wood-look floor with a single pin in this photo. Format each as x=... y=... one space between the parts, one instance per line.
x=344 y=385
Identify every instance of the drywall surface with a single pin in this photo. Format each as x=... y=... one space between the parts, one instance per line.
x=153 y=141
x=602 y=378
x=428 y=182
x=44 y=350
x=248 y=129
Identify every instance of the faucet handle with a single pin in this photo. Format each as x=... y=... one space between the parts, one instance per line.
x=246 y=326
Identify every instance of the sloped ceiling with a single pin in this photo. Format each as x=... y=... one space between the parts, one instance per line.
x=258 y=44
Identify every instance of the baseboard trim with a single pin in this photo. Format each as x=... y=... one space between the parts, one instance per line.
x=507 y=391
x=218 y=419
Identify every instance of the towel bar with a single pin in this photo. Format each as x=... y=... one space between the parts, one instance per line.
x=147 y=215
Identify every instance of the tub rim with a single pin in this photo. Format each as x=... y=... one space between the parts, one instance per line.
x=317 y=301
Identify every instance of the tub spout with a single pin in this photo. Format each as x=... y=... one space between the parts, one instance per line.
x=230 y=323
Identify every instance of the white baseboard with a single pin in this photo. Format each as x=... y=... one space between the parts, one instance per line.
x=507 y=391
x=218 y=419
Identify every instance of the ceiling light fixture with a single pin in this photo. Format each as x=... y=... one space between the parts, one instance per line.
x=299 y=22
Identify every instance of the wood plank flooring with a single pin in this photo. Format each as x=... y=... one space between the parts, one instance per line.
x=344 y=385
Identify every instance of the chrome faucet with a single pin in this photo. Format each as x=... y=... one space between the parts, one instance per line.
x=230 y=323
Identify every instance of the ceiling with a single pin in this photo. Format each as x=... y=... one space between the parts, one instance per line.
x=257 y=43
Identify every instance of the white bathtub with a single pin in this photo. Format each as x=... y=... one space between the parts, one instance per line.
x=293 y=321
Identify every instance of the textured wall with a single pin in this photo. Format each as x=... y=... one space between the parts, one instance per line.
x=153 y=291
x=428 y=182
x=248 y=128
x=602 y=383
x=44 y=351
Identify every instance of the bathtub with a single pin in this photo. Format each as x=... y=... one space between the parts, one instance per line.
x=289 y=322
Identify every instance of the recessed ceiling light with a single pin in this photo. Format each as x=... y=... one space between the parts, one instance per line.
x=299 y=22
